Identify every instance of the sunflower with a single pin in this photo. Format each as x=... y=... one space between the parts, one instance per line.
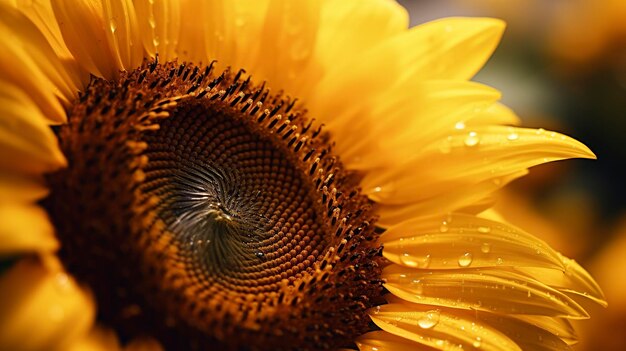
x=266 y=175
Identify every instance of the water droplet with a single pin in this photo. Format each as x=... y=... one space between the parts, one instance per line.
x=529 y=293
x=378 y=189
x=444 y=227
x=417 y=286
x=429 y=319
x=459 y=125
x=113 y=25
x=377 y=310
x=513 y=136
x=499 y=261
x=477 y=342
x=485 y=248
x=408 y=261
x=259 y=254
x=63 y=282
x=155 y=41
x=484 y=229
x=472 y=139
x=151 y=21
x=465 y=260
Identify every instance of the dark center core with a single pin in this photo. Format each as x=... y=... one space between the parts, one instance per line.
x=209 y=213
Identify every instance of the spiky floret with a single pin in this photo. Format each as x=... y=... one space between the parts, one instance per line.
x=203 y=209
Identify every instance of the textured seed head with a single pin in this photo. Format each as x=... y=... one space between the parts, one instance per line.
x=204 y=210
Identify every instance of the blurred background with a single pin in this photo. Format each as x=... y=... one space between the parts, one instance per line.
x=562 y=66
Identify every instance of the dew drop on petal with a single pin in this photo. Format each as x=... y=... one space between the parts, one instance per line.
x=113 y=25
x=444 y=227
x=499 y=261
x=472 y=139
x=513 y=136
x=484 y=230
x=459 y=125
x=465 y=260
x=477 y=342
x=429 y=319
x=485 y=247
x=408 y=261
x=63 y=283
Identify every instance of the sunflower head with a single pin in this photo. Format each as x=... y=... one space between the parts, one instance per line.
x=267 y=175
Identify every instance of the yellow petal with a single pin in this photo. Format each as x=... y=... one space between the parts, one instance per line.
x=526 y=335
x=470 y=156
x=41 y=308
x=405 y=119
x=88 y=36
x=25 y=228
x=27 y=144
x=159 y=26
x=29 y=69
x=382 y=341
x=461 y=241
x=494 y=290
x=572 y=279
x=439 y=328
x=41 y=14
x=98 y=339
x=472 y=198
x=286 y=43
x=560 y=327
x=18 y=188
x=496 y=114
x=429 y=51
x=62 y=77
x=123 y=32
x=349 y=27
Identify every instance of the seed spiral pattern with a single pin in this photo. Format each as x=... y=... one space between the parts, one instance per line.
x=204 y=210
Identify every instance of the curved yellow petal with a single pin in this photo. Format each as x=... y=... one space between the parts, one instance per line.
x=159 y=26
x=29 y=68
x=41 y=308
x=439 y=328
x=25 y=228
x=560 y=327
x=496 y=114
x=27 y=144
x=19 y=189
x=98 y=339
x=123 y=32
x=428 y=51
x=380 y=340
x=527 y=335
x=459 y=241
x=493 y=290
x=405 y=119
x=471 y=198
x=363 y=24
x=285 y=44
x=93 y=39
x=470 y=156
x=63 y=78
x=41 y=14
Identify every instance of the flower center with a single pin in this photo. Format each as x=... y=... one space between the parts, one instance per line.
x=203 y=210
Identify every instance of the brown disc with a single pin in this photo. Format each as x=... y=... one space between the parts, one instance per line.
x=209 y=213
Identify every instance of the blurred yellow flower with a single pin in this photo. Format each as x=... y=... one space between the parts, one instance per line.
x=197 y=205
